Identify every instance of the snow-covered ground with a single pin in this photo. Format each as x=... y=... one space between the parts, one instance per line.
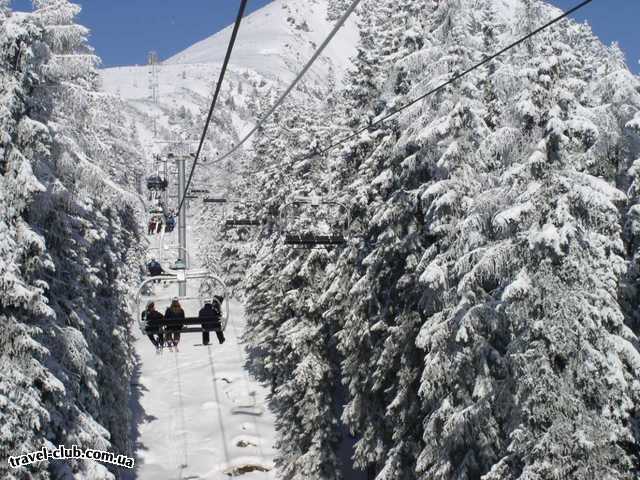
x=188 y=429
x=198 y=414
x=277 y=39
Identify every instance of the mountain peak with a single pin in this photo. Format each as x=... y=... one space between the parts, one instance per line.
x=277 y=40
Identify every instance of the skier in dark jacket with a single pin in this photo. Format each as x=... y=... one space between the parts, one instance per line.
x=155 y=269
x=153 y=321
x=169 y=223
x=210 y=315
x=174 y=312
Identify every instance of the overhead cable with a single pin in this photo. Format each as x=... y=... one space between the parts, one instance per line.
x=295 y=82
x=452 y=79
x=234 y=34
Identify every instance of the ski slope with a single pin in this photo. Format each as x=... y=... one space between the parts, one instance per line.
x=197 y=413
x=277 y=40
x=185 y=404
x=188 y=430
x=273 y=45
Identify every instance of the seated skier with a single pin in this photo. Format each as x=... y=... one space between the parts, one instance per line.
x=176 y=313
x=155 y=269
x=210 y=315
x=153 y=323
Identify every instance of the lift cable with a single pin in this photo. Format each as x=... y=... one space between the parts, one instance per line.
x=302 y=73
x=225 y=64
x=453 y=79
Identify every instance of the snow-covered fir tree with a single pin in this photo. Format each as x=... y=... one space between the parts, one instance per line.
x=72 y=250
x=484 y=315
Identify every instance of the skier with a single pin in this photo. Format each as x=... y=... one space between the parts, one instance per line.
x=153 y=321
x=155 y=269
x=174 y=312
x=209 y=315
x=170 y=223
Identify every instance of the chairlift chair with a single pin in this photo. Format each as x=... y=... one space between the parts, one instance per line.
x=156 y=209
x=306 y=239
x=179 y=265
x=214 y=200
x=160 y=254
x=157 y=183
x=169 y=223
x=242 y=222
x=191 y=323
x=156 y=225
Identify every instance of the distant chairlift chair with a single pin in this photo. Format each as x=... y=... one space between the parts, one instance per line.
x=311 y=240
x=234 y=222
x=157 y=183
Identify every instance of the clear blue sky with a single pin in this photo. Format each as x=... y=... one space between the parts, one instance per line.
x=124 y=31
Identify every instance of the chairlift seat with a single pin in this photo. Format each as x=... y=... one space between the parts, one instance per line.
x=190 y=325
x=156 y=183
x=243 y=222
x=310 y=239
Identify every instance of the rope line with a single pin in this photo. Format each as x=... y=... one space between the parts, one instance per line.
x=416 y=100
x=225 y=64
x=456 y=77
x=302 y=73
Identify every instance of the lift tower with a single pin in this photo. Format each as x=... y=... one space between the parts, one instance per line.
x=154 y=85
x=182 y=219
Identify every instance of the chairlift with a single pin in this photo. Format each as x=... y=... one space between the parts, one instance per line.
x=155 y=268
x=157 y=183
x=311 y=240
x=179 y=265
x=162 y=257
x=307 y=239
x=191 y=323
x=214 y=200
x=156 y=225
x=157 y=208
x=242 y=222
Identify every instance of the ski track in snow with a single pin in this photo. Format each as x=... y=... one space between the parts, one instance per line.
x=187 y=429
x=187 y=398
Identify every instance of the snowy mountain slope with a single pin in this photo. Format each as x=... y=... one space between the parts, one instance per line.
x=183 y=88
x=277 y=39
x=274 y=44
